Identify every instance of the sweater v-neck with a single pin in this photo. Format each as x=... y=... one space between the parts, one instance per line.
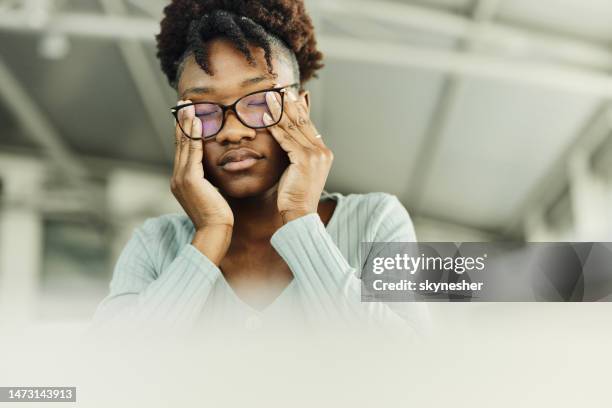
x=279 y=301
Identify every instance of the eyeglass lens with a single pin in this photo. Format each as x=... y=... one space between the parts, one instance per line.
x=250 y=110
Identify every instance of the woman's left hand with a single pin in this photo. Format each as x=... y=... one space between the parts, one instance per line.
x=300 y=187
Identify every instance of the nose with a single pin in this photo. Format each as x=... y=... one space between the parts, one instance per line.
x=233 y=130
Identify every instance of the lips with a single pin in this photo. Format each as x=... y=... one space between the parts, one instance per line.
x=239 y=158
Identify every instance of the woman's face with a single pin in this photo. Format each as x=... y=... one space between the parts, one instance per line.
x=234 y=78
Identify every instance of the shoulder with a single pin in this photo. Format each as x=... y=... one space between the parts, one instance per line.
x=372 y=205
x=165 y=230
x=380 y=214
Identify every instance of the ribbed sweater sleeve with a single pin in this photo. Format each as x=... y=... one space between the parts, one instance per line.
x=329 y=285
x=144 y=291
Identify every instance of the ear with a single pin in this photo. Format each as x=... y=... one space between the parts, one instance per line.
x=305 y=96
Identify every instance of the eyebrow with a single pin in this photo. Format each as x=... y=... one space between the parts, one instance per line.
x=209 y=89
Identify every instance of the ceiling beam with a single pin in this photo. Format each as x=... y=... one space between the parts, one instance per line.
x=147 y=82
x=83 y=25
x=37 y=126
x=99 y=167
x=575 y=80
x=362 y=27
x=556 y=179
x=452 y=90
x=504 y=38
x=153 y=8
x=586 y=81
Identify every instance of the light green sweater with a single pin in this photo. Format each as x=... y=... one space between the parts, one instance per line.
x=161 y=277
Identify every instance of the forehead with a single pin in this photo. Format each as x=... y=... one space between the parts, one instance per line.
x=231 y=70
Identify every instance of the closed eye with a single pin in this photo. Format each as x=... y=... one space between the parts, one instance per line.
x=199 y=115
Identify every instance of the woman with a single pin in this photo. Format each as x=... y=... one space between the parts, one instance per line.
x=262 y=243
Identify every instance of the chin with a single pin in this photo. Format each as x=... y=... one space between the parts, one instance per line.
x=245 y=187
x=234 y=191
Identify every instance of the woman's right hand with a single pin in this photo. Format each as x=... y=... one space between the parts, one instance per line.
x=202 y=202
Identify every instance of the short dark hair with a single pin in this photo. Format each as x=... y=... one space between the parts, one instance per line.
x=283 y=25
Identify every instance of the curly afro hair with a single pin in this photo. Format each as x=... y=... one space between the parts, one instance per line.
x=189 y=24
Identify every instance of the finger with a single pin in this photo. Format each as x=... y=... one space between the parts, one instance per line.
x=289 y=143
x=178 y=135
x=187 y=120
x=196 y=148
x=188 y=113
x=273 y=104
x=308 y=127
x=283 y=138
x=289 y=122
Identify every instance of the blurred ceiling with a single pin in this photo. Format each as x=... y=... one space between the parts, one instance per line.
x=463 y=109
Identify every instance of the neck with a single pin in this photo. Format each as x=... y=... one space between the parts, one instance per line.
x=255 y=219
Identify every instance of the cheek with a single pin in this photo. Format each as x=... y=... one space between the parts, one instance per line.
x=267 y=141
x=276 y=155
x=211 y=157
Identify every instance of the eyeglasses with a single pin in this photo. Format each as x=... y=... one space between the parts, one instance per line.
x=249 y=110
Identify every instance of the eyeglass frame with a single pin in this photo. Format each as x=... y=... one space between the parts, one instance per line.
x=224 y=108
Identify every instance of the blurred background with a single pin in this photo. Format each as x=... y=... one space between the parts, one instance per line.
x=489 y=119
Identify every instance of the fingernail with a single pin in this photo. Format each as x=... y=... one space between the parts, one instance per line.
x=271 y=96
x=292 y=96
x=188 y=107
